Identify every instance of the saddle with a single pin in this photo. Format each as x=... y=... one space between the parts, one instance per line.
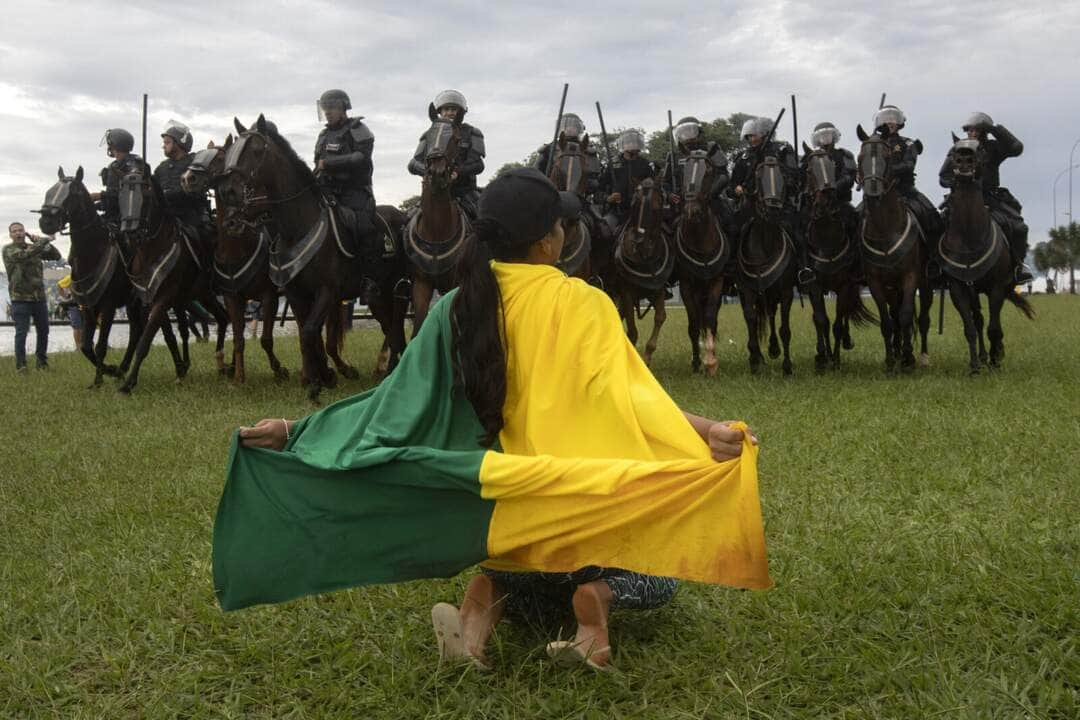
x=762 y=273
x=968 y=265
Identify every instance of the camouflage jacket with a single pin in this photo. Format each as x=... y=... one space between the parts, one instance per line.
x=22 y=263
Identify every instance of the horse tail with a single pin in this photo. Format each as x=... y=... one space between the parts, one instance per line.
x=860 y=314
x=761 y=310
x=1021 y=303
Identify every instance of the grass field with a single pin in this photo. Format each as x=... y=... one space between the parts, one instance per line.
x=923 y=533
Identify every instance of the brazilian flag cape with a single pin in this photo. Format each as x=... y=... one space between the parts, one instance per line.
x=596 y=465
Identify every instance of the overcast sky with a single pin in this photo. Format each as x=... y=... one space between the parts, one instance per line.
x=69 y=71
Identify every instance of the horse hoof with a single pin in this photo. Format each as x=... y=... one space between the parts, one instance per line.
x=774 y=351
x=973 y=372
x=124 y=389
x=849 y=344
x=313 y=393
x=227 y=370
x=281 y=374
x=711 y=368
x=110 y=370
x=330 y=380
x=788 y=370
x=349 y=372
x=755 y=369
x=924 y=360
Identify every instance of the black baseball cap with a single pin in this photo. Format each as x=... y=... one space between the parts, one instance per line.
x=526 y=204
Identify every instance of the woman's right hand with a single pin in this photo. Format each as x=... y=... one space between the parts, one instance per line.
x=268 y=433
x=726 y=442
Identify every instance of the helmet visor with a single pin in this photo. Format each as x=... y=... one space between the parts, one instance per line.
x=687 y=132
x=571 y=126
x=825 y=136
x=888 y=115
x=630 y=141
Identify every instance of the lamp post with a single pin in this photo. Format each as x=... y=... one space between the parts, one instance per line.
x=1070 y=168
x=1053 y=220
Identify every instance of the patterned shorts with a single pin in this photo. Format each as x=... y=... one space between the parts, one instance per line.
x=549 y=595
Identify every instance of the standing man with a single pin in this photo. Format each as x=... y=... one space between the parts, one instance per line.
x=26 y=285
x=451 y=105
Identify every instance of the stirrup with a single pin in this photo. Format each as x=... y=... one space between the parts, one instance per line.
x=1022 y=275
x=805 y=276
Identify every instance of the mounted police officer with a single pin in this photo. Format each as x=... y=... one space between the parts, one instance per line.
x=888 y=122
x=191 y=209
x=119 y=144
x=759 y=145
x=825 y=137
x=1004 y=207
x=628 y=171
x=690 y=137
x=451 y=105
x=343 y=164
x=572 y=128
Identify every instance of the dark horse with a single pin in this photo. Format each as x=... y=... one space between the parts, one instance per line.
x=314 y=253
x=766 y=267
x=894 y=255
x=568 y=173
x=241 y=263
x=643 y=263
x=703 y=250
x=832 y=249
x=438 y=232
x=99 y=282
x=167 y=267
x=975 y=257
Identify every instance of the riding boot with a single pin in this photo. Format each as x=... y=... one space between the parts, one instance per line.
x=806 y=274
x=1019 y=247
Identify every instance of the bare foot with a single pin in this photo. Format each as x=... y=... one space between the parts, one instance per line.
x=481 y=610
x=592 y=603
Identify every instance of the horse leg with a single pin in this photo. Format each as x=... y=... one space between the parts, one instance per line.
x=877 y=291
x=321 y=374
x=659 y=316
x=158 y=313
x=976 y=313
x=400 y=308
x=235 y=306
x=382 y=310
x=774 y=341
x=626 y=303
x=821 y=325
x=753 y=320
x=335 y=342
x=962 y=302
x=995 y=301
x=221 y=319
x=269 y=314
x=422 y=291
x=907 y=322
x=926 y=302
x=786 y=297
x=693 y=322
x=713 y=294
x=302 y=312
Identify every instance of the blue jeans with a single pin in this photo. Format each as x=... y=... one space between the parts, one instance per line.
x=23 y=312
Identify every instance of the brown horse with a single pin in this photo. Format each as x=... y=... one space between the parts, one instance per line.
x=438 y=232
x=569 y=173
x=766 y=267
x=894 y=255
x=643 y=264
x=241 y=263
x=975 y=257
x=167 y=267
x=832 y=248
x=314 y=254
x=702 y=251
x=99 y=282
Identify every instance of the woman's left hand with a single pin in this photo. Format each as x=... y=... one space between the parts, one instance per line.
x=269 y=433
x=725 y=441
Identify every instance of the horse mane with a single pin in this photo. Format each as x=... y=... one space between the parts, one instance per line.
x=298 y=164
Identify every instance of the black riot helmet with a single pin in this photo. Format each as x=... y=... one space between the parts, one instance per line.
x=180 y=133
x=687 y=130
x=333 y=98
x=825 y=133
x=118 y=139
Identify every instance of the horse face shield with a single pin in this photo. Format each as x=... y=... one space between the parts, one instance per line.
x=873 y=168
x=771 y=183
x=132 y=189
x=694 y=172
x=965 y=158
x=53 y=210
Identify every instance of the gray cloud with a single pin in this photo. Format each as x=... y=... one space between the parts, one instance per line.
x=203 y=63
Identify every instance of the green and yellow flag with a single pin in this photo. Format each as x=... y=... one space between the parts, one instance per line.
x=596 y=466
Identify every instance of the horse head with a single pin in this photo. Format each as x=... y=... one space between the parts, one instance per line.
x=442 y=151
x=206 y=167
x=966 y=159
x=139 y=201
x=820 y=180
x=873 y=165
x=255 y=170
x=568 y=165
x=769 y=181
x=644 y=231
x=697 y=181
x=65 y=201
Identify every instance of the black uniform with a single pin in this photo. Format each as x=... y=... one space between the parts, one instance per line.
x=628 y=174
x=846 y=170
x=347 y=151
x=193 y=209
x=716 y=157
x=902 y=167
x=469 y=164
x=1004 y=208
x=109 y=204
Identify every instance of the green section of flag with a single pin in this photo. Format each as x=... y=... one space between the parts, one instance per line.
x=380 y=487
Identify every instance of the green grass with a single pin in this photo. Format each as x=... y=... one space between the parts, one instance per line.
x=923 y=533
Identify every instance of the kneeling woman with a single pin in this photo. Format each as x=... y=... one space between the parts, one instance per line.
x=520 y=430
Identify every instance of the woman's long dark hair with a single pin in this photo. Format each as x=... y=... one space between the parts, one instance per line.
x=476 y=318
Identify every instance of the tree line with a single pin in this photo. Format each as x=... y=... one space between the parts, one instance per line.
x=1060 y=254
